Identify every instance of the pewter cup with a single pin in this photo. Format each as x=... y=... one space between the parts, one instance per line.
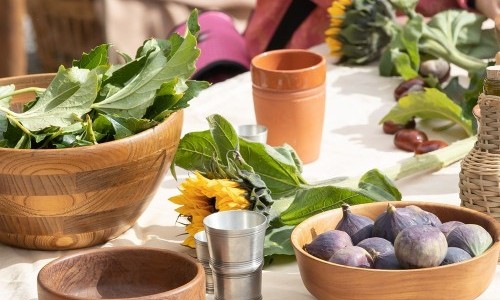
x=235 y=240
x=246 y=286
x=203 y=257
x=253 y=132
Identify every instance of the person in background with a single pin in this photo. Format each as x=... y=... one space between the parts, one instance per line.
x=302 y=23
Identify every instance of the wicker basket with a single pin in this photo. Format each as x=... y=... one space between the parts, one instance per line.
x=480 y=169
x=64 y=29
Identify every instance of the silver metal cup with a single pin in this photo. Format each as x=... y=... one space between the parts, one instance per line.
x=246 y=286
x=203 y=257
x=253 y=132
x=235 y=241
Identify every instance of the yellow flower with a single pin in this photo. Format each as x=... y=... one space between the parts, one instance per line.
x=337 y=14
x=201 y=196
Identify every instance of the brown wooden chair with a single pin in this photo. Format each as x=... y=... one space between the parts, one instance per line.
x=64 y=29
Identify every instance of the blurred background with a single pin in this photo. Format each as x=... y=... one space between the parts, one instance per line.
x=39 y=35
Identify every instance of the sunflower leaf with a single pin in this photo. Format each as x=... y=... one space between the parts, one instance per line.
x=224 y=135
x=310 y=202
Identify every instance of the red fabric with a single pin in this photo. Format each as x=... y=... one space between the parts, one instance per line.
x=268 y=14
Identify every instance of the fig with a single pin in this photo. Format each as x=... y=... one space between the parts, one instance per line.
x=325 y=244
x=420 y=246
x=376 y=245
x=470 y=237
x=386 y=261
x=389 y=223
x=356 y=226
x=446 y=227
x=454 y=255
x=423 y=217
x=353 y=256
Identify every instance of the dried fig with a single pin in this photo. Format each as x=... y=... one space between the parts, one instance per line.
x=356 y=226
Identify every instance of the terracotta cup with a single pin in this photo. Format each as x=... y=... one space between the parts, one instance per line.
x=288 y=89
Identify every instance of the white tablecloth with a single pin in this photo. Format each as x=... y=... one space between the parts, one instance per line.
x=353 y=143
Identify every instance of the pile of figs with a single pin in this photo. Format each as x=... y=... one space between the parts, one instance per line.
x=399 y=238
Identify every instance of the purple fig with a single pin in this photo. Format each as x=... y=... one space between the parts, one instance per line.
x=386 y=261
x=470 y=237
x=423 y=217
x=454 y=255
x=376 y=245
x=446 y=227
x=392 y=221
x=420 y=246
x=325 y=244
x=353 y=256
x=356 y=226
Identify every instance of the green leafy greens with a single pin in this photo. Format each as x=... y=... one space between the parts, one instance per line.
x=272 y=171
x=93 y=101
x=456 y=36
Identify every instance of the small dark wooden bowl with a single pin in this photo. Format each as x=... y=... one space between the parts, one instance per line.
x=139 y=273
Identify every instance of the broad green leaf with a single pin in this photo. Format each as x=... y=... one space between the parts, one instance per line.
x=289 y=154
x=277 y=241
x=310 y=202
x=403 y=64
x=486 y=48
x=410 y=36
x=282 y=177
x=428 y=104
x=124 y=127
x=196 y=151
x=120 y=76
x=5 y=103
x=377 y=186
x=70 y=94
x=95 y=58
x=406 y=6
x=224 y=135
x=459 y=27
x=134 y=99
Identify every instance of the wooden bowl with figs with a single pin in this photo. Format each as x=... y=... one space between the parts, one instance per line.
x=466 y=279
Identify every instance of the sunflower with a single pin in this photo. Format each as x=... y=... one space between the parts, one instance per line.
x=359 y=29
x=337 y=14
x=201 y=197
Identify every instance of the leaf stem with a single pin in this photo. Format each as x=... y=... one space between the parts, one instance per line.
x=18 y=124
x=428 y=162
x=23 y=91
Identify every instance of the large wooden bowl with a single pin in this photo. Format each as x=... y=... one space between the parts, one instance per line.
x=465 y=280
x=138 y=273
x=70 y=198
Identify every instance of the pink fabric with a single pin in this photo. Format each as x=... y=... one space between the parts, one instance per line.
x=219 y=41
